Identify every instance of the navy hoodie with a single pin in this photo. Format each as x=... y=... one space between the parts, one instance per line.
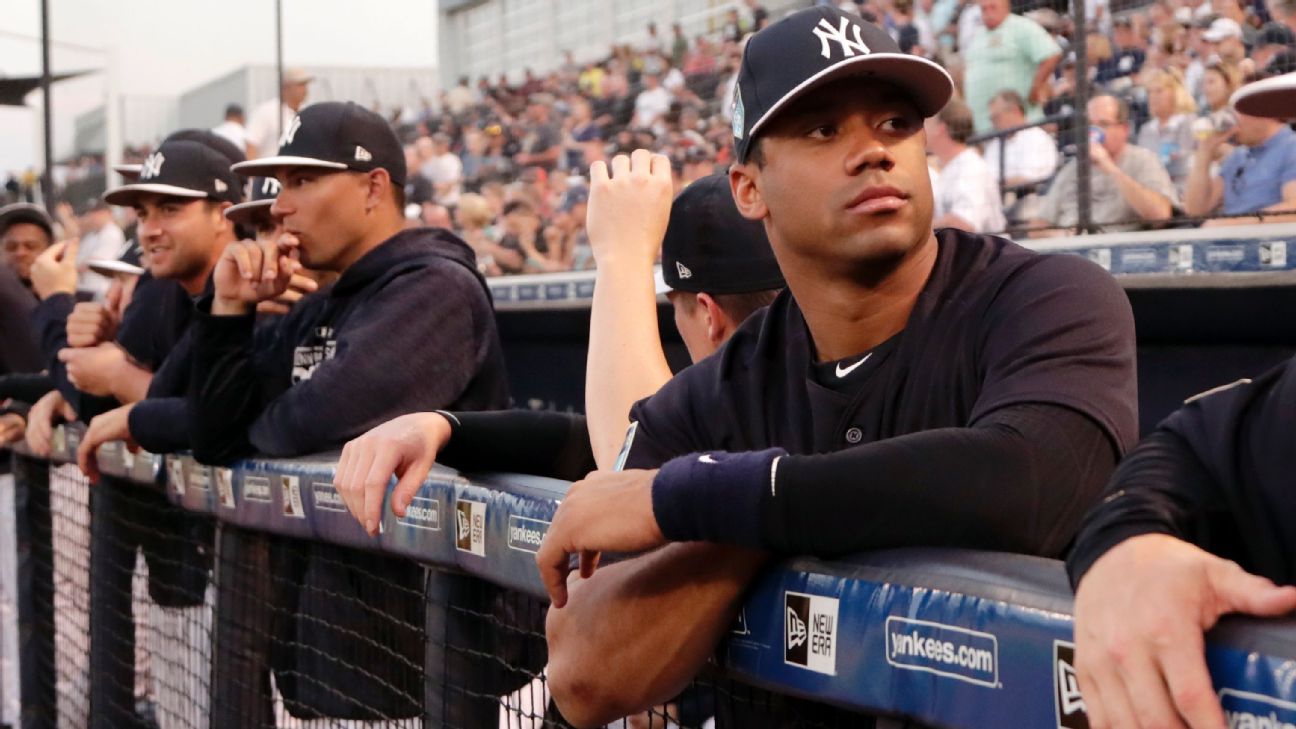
x=409 y=327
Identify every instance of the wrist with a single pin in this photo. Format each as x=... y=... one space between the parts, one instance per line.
x=439 y=428
x=222 y=306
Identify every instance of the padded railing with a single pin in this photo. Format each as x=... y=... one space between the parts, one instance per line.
x=951 y=638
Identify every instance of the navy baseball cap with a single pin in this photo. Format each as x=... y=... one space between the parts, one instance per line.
x=182 y=168
x=710 y=247
x=815 y=46
x=264 y=192
x=23 y=212
x=335 y=135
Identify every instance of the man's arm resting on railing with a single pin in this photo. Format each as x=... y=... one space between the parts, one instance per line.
x=633 y=636
x=1204 y=191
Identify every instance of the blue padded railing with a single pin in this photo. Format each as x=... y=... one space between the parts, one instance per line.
x=951 y=638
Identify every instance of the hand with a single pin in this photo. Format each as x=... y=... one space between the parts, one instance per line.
x=93 y=370
x=1039 y=93
x=630 y=207
x=40 y=421
x=91 y=323
x=1140 y=613
x=55 y=270
x=1101 y=157
x=1212 y=144
x=112 y=425
x=12 y=428
x=298 y=287
x=249 y=272
x=406 y=448
x=610 y=511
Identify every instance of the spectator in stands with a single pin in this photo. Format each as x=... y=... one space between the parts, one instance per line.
x=1273 y=40
x=1128 y=54
x=966 y=196
x=1259 y=175
x=1029 y=155
x=271 y=119
x=521 y=225
x=701 y=59
x=233 y=127
x=1169 y=132
x=653 y=42
x=101 y=238
x=1197 y=523
x=1224 y=37
x=460 y=98
x=25 y=232
x=473 y=221
x=757 y=17
x=444 y=170
x=542 y=144
x=1219 y=81
x=1128 y=189
x=651 y=105
x=418 y=189
x=1012 y=53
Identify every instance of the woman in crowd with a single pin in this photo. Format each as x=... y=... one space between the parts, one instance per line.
x=1169 y=132
x=1218 y=84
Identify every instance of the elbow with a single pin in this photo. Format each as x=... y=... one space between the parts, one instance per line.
x=586 y=695
x=1160 y=212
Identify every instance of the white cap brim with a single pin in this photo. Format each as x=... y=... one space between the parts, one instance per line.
x=126 y=193
x=245 y=210
x=265 y=165
x=660 y=286
x=1272 y=97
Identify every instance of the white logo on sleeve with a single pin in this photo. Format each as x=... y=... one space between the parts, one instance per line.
x=152 y=166
x=290 y=132
x=843 y=371
x=825 y=32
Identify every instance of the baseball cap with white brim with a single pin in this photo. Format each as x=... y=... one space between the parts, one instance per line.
x=1272 y=97
x=338 y=136
x=816 y=46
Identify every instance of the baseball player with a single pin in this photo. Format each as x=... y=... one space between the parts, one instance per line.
x=408 y=325
x=1197 y=523
x=912 y=387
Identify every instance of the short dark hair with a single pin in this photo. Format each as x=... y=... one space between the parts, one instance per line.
x=1011 y=97
x=1122 y=107
x=518 y=206
x=736 y=306
x=233 y=110
x=957 y=118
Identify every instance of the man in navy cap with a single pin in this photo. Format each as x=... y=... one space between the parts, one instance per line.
x=407 y=326
x=903 y=378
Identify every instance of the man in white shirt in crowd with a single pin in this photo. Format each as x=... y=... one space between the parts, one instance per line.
x=233 y=127
x=1029 y=155
x=271 y=118
x=652 y=104
x=966 y=194
x=445 y=170
x=101 y=239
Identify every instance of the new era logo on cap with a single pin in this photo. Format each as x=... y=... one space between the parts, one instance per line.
x=335 y=135
x=818 y=45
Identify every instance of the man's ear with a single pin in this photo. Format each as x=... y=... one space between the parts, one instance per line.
x=718 y=324
x=745 y=186
x=380 y=183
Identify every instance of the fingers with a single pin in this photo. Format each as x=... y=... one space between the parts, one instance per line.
x=300 y=284
x=408 y=485
x=1181 y=659
x=661 y=167
x=588 y=563
x=1239 y=591
x=598 y=173
x=269 y=260
x=1114 y=708
x=86 y=455
x=554 y=567
x=242 y=258
x=1149 y=697
x=68 y=256
x=350 y=483
x=620 y=166
x=375 y=487
x=641 y=162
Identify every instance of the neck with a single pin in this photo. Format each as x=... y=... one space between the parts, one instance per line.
x=949 y=151
x=390 y=225
x=851 y=312
x=1164 y=117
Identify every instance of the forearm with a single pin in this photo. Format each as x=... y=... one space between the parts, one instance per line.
x=130 y=383
x=1197 y=194
x=1019 y=481
x=1160 y=488
x=636 y=633
x=1044 y=73
x=224 y=396
x=542 y=443
x=1149 y=204
x=161 y=425
x=626 y=362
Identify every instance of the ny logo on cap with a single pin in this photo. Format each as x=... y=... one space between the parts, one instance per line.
x=269 y=186
x=152 y=166
x=291 y=131
x=825 y=32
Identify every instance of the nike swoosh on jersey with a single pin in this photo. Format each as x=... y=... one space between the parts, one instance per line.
x=843 y=371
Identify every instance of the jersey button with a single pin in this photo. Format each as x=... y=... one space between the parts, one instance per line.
x=854 y=435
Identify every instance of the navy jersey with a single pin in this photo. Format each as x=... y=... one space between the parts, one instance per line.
x=1217 y=473
x=996 y=325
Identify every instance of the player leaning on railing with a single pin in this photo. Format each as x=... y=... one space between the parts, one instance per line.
x=910 y=388
x=1215 y=477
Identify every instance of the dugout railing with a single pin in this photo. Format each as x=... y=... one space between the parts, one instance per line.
x=178 y=636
